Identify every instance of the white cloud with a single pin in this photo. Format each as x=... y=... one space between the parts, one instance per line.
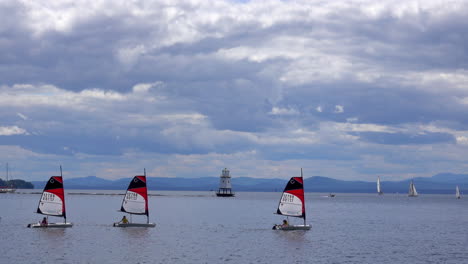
x=24 y=117
x=48 y=95
x=283 y=111
x=145 y=87
x=12 y=130
x=339 y=109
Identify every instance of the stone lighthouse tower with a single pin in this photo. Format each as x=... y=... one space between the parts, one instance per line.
x=225 y=187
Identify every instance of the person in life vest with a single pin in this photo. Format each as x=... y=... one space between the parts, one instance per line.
x=44 y=222
x=285 y=224
x=124 y=220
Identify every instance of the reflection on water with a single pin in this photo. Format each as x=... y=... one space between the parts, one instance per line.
x=198 y=228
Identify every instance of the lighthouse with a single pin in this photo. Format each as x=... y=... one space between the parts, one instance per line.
x=225 y=187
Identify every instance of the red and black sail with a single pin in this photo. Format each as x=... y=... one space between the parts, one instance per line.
x=292 y=201
x=136 y=197
x=53 y=198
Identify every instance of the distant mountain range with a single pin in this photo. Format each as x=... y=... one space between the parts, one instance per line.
x=440 y=183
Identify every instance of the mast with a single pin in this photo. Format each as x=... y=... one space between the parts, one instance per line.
x=147 y=211
x=304 y=197
x=411 y=190
x=63 y=186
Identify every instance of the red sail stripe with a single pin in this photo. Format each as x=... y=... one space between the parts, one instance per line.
x=143 y=191
x=59 y=192
x=299 y=193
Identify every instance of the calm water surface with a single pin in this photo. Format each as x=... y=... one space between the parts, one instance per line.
x=197 y=227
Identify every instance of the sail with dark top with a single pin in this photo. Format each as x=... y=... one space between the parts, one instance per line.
x=52 y=203
x=136 y=198
x=53 y=198
x=292 y=200
x=135 y=202
x=292 y=203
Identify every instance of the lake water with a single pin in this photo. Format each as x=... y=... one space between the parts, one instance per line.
x=197 y=227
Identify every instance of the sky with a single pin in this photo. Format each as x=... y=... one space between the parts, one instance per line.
x=184 y=88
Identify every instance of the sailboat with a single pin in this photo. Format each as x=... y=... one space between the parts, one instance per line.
x=292 y=203
x=9 y=188
x=52 y=203
x=135 y=202
x=412 y=190
x=379 y=190
x=457 y=192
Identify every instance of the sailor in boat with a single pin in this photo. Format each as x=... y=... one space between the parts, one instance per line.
x=124 y=220
x=285 y=224
x=44 y=222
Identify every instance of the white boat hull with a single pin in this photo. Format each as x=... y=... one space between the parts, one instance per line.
x=7 y=190
x=50 y=225
x=292 y=227
x=134 y=225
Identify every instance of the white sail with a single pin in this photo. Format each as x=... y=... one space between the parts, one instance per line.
x=457 y=193
x=379 y=191
x=412 y=190
x=134 y=203
x=290 y=205
x=51 y=204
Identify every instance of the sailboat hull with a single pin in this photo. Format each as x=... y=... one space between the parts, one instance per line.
x=292 y=227
x=134 y=225
x=50 y=225
x=7 y=190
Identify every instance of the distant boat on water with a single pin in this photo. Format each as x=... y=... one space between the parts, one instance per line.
x=9 y=188
x=225 y=187
x=457 y=193
x=379 y=190
x=52 y=203
x=412 y=190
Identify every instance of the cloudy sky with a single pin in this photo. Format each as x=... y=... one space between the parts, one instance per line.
x=344 y=89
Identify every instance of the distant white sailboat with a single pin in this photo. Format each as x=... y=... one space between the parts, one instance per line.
x=292 y=203
x=52 y=203
x=412 y=190
x=457 y=192
x=136 y=202
x=9 y=188
x=379 y=190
